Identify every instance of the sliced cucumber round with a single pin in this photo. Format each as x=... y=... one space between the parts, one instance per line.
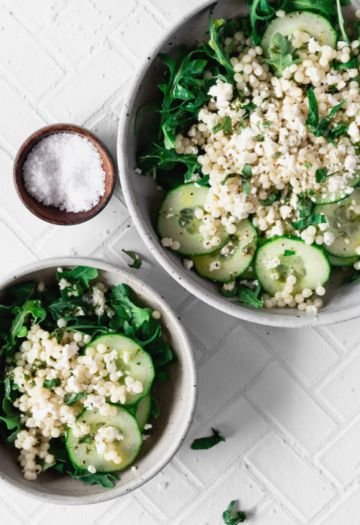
x=82 y=451
x=177 y=220
x=342 y=261
x=132 y=360
x=232 y=259
x=143 y=411
x=344 y=223
x=315 y=25
x=280 y=257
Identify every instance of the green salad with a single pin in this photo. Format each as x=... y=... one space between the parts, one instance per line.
x=257 y=148
x=79 y=360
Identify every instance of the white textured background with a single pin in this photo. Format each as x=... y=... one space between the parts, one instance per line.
x=287 y=400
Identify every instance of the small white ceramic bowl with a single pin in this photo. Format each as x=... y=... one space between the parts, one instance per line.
x=176 y=400
x=143 y=198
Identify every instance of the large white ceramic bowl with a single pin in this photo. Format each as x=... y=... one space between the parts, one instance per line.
x=143 y=198
x=176 y=400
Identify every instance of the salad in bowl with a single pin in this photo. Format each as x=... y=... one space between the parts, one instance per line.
x=90 y=386
x=257 y=149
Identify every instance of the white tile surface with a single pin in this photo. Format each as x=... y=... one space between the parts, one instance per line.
x=288 y=401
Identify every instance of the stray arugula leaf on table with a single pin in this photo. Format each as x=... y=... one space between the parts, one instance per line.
x=231 y=516
x=136 y=259
x=207 y=442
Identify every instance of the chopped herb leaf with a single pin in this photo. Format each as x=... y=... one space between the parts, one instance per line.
x=204 y=181
x=273 y=197
x=205 y=443
x=231 y=516
x=321 y=127
x=225 y=125
x=51 y=383
x=353 y=63
x=72 y=398
x=314 y=218
x=288 y=253
x=136 y=259
x=246 y=175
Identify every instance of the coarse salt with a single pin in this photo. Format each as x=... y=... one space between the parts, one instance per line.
x=65 y=170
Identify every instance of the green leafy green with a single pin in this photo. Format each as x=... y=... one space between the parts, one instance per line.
x=231 y=516
x=207 y=442
x=321 y=127
x=246 y=175
x=126 y=309
x=160 y=158
x=321 y=175
x=136 y=259
x=18 y=293
x=281 y=54
x=353 y=63
x=251 y=297
x=216 y=42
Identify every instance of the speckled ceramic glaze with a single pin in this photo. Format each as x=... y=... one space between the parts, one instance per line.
x=143 y=198
x=176 y=400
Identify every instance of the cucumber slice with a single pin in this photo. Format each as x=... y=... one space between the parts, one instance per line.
x=308 y=264
x=344 y=223
x=330 y=198
x=82 y=451
x=132 y=360
x=143 y=411
x=177 y=219
x=233 y=259
x=342 y=261
x=311 y=23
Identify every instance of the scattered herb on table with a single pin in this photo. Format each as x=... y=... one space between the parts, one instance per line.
x=231 y=516
x=207 y=442
x=136 y=259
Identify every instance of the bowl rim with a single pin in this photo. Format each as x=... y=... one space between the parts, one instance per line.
x=190 y=370
x=146 y=232
x=69 y=218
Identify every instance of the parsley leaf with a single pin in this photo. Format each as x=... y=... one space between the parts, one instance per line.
x=281 y=54
x=246 y=175
x=50 y=384
x=136 y=259
x=273 y=197
x=72 y=398
x=216 y=30
x=353 y=63
x=321 y=175
x=205 y=443
x=232 y=516
x=224 y=125
x=288 y=253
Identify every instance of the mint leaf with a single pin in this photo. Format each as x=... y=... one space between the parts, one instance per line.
x=205 y=443
x=281 y=54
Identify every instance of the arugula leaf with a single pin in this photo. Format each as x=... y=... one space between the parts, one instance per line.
x=50 y=384
x=31 y=309
x=233 y=517
x=204 y=181
x=216 y=43
x=205 y=443
x=250 y=297
x=18 y=293
x=314 y=218
x=353 y=63
x=126 y=309
x=80 y=277
x=341 y=21
x=161 y=158
x=281 y=54
x=136 y=259
x=72 y=398
x=321 y=127
x=225 y=125
x=261 y=13
x=273 y=197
